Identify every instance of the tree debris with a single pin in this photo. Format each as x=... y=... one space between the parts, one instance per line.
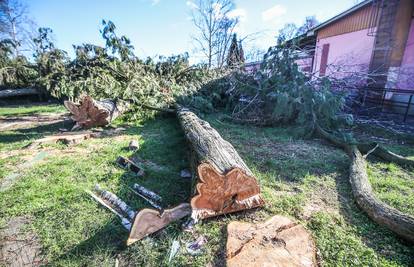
x=186 y=173
x=194 y=248
x=91 y=113
x=152 y=198
x=129 y=165
x=149 y=221
x=133 y=145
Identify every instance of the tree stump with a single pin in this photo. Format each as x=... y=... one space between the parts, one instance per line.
x=223 y=182
x=276 y=242
x=91 y=113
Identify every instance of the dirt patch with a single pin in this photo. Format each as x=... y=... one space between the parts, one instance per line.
x=323 y=198
x=19 y=248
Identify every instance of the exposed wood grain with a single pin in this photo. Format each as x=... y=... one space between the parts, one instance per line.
x=223 y=181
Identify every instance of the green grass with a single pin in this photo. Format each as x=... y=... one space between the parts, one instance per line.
x=31 y=110
x=296 y=176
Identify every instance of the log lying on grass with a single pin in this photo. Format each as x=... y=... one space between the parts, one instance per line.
x=91 y=113
x=224 y=182
x=400 y=223
x=18 y=92
x=385 y=154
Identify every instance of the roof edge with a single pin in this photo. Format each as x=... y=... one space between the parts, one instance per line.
x=339 y=16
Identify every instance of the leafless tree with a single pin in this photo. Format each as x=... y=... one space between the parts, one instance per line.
x=215 y=25
x=15 y=25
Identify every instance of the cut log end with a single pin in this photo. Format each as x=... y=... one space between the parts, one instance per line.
x=91 y=113
x=149 y=221
x=219 y=194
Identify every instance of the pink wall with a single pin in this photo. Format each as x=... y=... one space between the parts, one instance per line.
x=406 y=72
x=349 y=53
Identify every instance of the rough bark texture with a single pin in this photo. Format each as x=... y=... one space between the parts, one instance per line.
x=225 y=184
x=398 y=222
x=385 y=154
x=18 y=92
x=149 y=221
x=91 y=113
x=276 y=242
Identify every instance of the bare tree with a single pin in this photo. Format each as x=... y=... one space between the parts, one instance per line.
x=215 y=26
x=15 y=25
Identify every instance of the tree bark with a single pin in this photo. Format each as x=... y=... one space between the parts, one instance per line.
x=91 y=113
x=18 y=92
x=400 y=223
x=223 y=182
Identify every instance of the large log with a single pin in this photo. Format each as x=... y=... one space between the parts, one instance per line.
x=223 y=182
x=90 y=113
x=18 y=92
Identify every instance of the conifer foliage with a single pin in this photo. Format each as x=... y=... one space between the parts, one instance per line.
x=235 y=57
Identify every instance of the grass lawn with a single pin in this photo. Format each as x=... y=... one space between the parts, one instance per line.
x=303 y=179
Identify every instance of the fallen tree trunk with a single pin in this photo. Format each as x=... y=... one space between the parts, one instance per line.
x=400 y=223
x=385 y=154
x=18 y=92
x=91 y=113
x=223 y=182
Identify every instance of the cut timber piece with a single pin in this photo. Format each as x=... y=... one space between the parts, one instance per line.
x=398 y=222
x=91 y=113
x=65 y=138
x=225 y=183
x=276 y=242
x=149 y=221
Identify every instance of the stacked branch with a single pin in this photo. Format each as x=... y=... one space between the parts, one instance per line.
x=223 y=182
x=90 y=113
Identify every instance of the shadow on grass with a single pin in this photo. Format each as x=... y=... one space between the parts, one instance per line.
x=37 y=132
x=380 y=239
x=163 y=150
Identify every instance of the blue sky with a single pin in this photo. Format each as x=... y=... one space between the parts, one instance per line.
x=163 y=27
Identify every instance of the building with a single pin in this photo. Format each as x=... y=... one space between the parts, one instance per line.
x=375 y=37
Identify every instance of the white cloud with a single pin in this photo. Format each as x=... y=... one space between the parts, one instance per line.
x=239 y=13
x=155 y=2
x=191 y=4
x=273 y=13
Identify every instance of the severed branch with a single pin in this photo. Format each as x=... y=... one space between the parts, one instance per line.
x=398 y=222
